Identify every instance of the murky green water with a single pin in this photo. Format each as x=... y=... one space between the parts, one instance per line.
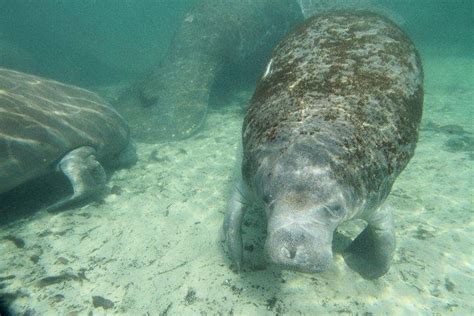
x=152 y=244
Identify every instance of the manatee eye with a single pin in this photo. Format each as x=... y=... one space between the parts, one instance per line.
x=334 y=210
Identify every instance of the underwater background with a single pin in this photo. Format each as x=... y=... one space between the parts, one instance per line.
x=153 y=245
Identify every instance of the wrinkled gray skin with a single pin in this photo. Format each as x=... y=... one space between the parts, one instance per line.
x=212 y=36
x=47 y=126
x=332 y=123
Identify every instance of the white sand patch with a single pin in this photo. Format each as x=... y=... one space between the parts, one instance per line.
x=154 y=246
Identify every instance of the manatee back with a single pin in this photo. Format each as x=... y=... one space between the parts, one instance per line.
x=351 y=86
x=41 y=120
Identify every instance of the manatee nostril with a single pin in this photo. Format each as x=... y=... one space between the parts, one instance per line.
x=288 y=253
x=292 y=253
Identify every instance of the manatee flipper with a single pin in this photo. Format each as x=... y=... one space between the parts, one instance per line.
x=233 y=223
x=370 y=254
x=85 y=173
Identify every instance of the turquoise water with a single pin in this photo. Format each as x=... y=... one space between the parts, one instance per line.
x=153 y=246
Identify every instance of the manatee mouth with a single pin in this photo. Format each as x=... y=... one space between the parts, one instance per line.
x=296 y=248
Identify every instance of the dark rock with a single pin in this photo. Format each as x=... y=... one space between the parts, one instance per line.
x=99 y=301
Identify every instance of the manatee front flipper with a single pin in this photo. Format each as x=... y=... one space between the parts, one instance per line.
x=86 y=175
x=232 y=226
x=370 y=254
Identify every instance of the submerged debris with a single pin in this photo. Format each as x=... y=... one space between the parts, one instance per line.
x=190 y=296
x=50 y=280
x=99 y=301
x=8 y=277
x=57 y=298
x=449 y=285
x=165 y=312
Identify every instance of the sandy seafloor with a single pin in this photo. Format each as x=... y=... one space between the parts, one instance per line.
x=153 y=245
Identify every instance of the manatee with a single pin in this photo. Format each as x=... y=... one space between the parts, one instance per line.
x=333 y=121
x=48 y=126
x=214 y=35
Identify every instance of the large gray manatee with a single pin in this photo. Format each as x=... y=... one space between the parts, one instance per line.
x=47 y=126
x=332 y=123
x=213 y=35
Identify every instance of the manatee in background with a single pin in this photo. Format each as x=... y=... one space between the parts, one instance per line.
x=46 y=126
x=213 y=34
x=332 y=123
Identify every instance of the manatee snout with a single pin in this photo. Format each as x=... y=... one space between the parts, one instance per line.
x=296 y=248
